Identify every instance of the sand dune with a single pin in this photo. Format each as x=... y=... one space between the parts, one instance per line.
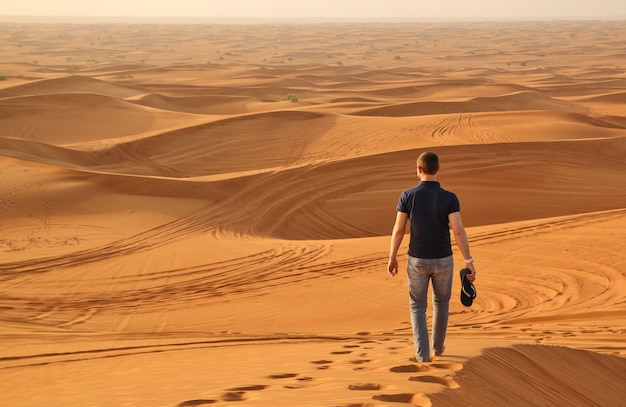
x=200 y=215
x=84 y=112
x=511 y=102
x=211 y=105
x=69 y=84
x=524 y=365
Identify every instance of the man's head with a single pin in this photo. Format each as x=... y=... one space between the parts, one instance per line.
x=428 y=162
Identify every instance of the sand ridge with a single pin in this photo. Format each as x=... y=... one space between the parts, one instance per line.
x=200 y=214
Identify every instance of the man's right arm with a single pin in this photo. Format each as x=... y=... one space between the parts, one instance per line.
x=396 y=239
x=461 y=241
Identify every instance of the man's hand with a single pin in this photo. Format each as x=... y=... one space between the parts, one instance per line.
x=472 y=275
x=392 y=266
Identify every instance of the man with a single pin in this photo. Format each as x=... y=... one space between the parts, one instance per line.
x=432 y=211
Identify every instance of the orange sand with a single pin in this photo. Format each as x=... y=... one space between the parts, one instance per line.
x=176 y=232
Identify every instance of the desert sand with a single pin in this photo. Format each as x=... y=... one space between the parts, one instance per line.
x=200 y=215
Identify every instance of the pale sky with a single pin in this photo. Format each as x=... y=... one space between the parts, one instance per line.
x=341 y=9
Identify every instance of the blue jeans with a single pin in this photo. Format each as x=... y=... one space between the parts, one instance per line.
x=421 y=272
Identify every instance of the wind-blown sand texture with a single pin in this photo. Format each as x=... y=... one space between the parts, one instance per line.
x=199 y=215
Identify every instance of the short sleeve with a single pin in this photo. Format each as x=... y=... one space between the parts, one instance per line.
x=455 y=206
x=403 y=203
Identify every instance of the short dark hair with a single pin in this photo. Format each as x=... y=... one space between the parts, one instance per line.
x=429 y=162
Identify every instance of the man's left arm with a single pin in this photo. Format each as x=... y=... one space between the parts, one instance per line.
x=462 y=242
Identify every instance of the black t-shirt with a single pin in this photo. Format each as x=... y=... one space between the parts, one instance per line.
x=428 y=206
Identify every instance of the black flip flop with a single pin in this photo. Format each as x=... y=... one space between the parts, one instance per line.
x=468 y=291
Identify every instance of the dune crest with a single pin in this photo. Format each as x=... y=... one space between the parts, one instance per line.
x=530 y=375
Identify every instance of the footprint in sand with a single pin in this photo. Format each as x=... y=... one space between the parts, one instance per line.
x=360 y=361
x=302 y=381
x=282 y=376
x=395 y=398
x=234 y=396
x=341 y=352
x=249 y=388
x=241 y=393
x=410 y=369
x=325 y=364
x=322 y=362
x=368 y=386
x=418 y=399
x=364 y=369
x=193 y=403
x=325 y=367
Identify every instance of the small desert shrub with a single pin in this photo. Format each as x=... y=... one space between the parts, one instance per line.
x=3 y=78
x=292 y=98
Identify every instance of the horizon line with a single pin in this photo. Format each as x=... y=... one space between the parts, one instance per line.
x=199 y=20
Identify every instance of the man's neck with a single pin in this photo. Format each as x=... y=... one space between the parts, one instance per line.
x=428 y=177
